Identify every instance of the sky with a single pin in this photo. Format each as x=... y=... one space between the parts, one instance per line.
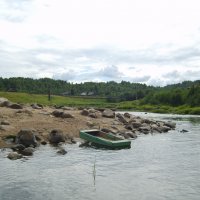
x=155 y=42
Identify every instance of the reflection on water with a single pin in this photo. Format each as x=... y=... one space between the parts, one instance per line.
x=162 y=166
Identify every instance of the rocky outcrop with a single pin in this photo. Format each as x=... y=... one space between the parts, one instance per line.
x=56 y=136
x=136 y=124
x=26 y=137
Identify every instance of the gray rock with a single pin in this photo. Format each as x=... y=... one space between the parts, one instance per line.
x=85 y=112
x=67 y=115
x=27 y=151
x=108 y=113
x=136 y=124
x=15 y=106
x=56 y=136
x=62 y=151
x=14 y=156
x=18 y=147
x=26 y=137
x=62 y=114
x=121 y=118
x=127 y=115
x=4 y=102
x=171 y=125
x=36 y=106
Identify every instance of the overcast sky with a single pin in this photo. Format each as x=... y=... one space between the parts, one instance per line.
x=156 y=42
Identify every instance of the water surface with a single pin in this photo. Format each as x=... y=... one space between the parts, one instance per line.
x=161 y=166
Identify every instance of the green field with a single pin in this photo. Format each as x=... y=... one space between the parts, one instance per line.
x=25 y=98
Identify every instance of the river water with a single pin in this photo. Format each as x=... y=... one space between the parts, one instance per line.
x=160 y=166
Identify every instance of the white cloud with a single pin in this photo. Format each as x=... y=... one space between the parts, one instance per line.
x=138 y=40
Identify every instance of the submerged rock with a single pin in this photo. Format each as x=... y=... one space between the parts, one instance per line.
x=56 y=136
x=14 y=156
x=62 y=151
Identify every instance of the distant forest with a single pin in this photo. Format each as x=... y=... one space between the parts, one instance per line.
x=187 y=92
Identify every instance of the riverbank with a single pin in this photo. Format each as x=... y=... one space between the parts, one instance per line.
x=36 y=122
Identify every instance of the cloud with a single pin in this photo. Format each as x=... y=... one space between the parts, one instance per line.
x=15 y=10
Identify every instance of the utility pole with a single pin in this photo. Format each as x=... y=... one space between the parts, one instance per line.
x=49 y=94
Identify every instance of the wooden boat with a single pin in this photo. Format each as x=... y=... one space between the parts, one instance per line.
x=106 y=140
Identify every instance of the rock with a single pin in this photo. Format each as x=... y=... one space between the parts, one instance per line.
x=36 y=106
x=26 y=137
x=136 y=124
x=4 y=122
x=57 y=113
x=73 y=141
x=18 y=147
x=92 y=115
x=127 y=115
x=67 y=115
x=4 y=102
x=108 y=113
x=85 y=112
x=62 y=151
x=43 y=142
x=131 y=135
x=14 y=156
x=129 y=127
x=56 y=136
x=164 y=128
x=27 y=151
x=62 y=114
x=171 y=125
x=184 y=131
x=15 y=106
x=145 y=129
x=121 y=118
x=156 y=128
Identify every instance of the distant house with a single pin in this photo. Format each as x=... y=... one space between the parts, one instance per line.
x=84 y=94
x=87 y=93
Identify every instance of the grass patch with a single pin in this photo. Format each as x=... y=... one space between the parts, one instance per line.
x=25 y=98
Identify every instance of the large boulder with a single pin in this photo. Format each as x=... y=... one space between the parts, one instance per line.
x=4 y=102
x=108 y=113
x=26 y=137
x=56 y=136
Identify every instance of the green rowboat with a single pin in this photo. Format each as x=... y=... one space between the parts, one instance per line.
x=106 y=140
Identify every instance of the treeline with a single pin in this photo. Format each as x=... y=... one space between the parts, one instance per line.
x=186 y=93
x=114 y=92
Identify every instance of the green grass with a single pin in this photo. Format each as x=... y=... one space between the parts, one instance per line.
x=25 y=98
x=135 y=105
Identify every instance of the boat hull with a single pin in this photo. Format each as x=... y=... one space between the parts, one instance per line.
x=108 y=140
